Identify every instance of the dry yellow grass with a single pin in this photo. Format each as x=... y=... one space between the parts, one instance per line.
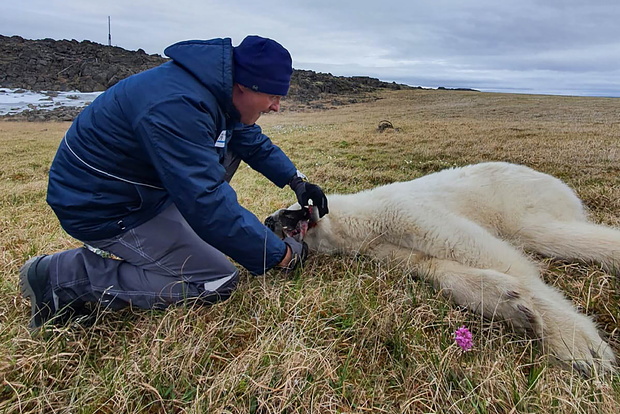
x=345 y=335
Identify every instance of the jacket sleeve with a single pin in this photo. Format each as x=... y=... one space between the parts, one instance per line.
x=179 y=137
x=257 y=150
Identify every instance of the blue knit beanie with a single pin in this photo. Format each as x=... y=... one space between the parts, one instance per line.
x=262 y=65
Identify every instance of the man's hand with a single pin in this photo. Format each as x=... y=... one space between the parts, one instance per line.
x=296 y=253
x=306 y=192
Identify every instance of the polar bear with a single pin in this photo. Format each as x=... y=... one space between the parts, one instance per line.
x=465 y=230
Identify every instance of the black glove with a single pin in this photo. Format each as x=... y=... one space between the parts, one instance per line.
x=306 y=192
x=299 y=252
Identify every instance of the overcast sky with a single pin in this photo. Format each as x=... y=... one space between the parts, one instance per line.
x=560 y=47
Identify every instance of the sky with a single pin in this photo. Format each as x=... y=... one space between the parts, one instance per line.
x=557 y=47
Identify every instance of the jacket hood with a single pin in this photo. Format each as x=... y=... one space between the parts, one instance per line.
x=210 y=61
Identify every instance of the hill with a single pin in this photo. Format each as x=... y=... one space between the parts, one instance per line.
x=65 y=65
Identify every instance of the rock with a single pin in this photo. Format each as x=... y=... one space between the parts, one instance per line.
x=46 y=65
x=67 y=65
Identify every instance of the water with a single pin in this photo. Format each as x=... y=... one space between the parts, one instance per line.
x=14 y=101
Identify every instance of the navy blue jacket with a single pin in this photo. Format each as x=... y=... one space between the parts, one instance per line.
x=159 y=137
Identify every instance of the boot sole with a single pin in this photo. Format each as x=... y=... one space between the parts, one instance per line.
x=27 y=291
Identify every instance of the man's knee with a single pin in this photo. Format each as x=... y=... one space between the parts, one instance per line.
x=219 y=290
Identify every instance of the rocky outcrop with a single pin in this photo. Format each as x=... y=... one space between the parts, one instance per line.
x=307 y=85
x=60 y=114
x=67 y=65
x=317 y=90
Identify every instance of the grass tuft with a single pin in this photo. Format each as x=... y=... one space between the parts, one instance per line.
x=345 y=334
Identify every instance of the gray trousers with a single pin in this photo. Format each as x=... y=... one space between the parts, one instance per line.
x=163 y=262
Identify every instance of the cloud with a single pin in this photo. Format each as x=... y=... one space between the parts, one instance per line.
x=517 y=45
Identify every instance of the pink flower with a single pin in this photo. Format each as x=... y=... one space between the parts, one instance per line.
x=463 y=338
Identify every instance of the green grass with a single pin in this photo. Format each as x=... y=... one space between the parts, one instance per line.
x=345 y=335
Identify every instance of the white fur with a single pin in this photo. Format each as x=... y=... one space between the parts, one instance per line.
x=465 y=229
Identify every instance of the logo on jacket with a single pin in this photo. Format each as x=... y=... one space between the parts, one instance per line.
x=221 y=140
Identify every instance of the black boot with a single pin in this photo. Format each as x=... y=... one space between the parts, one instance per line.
x=34 y=281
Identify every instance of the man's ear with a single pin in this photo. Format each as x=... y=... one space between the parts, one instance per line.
x=237 y=93
x=240 y=88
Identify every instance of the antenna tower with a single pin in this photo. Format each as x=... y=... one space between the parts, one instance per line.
x=109 y=33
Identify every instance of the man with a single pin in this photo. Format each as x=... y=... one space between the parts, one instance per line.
x=142 y=174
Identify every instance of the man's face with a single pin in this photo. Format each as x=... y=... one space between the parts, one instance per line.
x=251 y=104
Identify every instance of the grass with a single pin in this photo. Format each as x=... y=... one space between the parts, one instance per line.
x=345 y=335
